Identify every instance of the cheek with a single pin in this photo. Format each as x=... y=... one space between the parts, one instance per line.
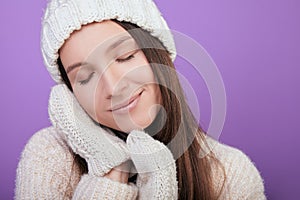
x=154 y=100
x=138 y=70
x=141 y=74
x=87 y=100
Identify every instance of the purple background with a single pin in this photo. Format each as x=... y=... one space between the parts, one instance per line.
x=255 y=45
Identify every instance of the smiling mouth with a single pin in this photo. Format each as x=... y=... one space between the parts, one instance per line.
x=127 y=105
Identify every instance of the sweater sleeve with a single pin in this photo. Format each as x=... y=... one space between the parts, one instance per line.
x=92 y=187
x=47 y=170
x=243 y=180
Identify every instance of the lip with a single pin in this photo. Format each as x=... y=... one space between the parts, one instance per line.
x=126 y=105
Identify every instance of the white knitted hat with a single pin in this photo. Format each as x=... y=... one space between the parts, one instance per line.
x=62 y=17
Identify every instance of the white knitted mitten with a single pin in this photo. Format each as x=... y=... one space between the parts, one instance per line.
x=101 y=148
x=155 y=166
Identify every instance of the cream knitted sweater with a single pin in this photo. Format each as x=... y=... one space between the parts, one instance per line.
x=47 y=171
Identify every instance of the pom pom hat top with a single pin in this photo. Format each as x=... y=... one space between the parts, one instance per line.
x=62 y=17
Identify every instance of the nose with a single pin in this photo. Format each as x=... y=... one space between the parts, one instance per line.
x=113 y=81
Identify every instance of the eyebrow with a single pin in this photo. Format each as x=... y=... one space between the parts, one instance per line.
x=118 y=42
x=110 y=48
x=75 y=65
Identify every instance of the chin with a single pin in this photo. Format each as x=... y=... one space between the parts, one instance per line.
x=128 y=123
x=152 y=127
x=127 y=128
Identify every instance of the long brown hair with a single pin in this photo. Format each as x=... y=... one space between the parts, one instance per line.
x=194 y=174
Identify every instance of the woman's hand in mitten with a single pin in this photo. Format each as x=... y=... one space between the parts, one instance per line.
x=100 y=147
x=155 y=166
x=120 y=173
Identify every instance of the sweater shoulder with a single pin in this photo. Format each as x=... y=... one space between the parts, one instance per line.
x=48 y=142
x=46 y=166
x=230 y=156
x=243 y=179
x=46 y=138
x=227 y=153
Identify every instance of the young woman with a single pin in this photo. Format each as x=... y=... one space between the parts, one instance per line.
x=116 y=111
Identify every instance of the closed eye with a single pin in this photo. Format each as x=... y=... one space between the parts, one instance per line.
x=120 y=60
x=85 y=81
x=131 y=56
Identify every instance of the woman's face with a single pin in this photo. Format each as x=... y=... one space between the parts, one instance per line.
x=111 y=77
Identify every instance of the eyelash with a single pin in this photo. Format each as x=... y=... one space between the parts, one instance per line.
x=119 y=60
x=83 y=82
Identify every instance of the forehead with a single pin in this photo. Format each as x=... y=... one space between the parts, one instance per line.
x=83 y=41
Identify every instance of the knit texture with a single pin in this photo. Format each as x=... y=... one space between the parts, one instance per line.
x=62 y=17
x=98 y=146
x=155 y=165
x=47 y=171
